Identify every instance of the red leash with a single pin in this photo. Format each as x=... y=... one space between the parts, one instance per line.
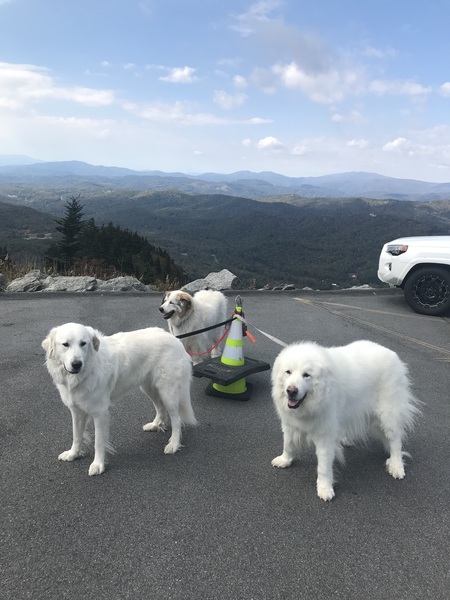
x=212 y=348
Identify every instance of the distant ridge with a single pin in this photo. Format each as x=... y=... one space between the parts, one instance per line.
x=247 y=184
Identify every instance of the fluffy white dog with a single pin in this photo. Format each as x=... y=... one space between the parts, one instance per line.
x=185 y=313
x=330 y=395
x=92 y=371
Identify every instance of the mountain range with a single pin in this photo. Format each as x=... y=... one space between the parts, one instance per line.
x=266 y=184
x=264 y=227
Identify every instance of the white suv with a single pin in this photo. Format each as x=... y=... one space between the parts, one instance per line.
x=421 y=267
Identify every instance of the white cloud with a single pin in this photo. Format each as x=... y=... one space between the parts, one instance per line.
x=380 y=53
x=258 y=121
x=247 y=22
x=228 y=101
x=22 y=84
x=270 y=143
x=183 y=113
x=300 y=150
x=396 y=145
x=353 y=117
x=445 y=89
x=323 y=87
x=180 y=75
x=393 y=87
x=431 y=145
x=359 y=144
x=240 y=82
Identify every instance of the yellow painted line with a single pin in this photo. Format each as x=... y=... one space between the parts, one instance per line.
x=372 y=325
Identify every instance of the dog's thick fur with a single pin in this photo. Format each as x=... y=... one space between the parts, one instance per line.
x=335 y=396
x=92 y=371
x=185 y=313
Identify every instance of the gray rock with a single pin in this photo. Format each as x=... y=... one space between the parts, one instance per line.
x=2 y=282
x=31 y=282
x=70 y=284
x=122 y=284
x=223 y=280
x=35 y=281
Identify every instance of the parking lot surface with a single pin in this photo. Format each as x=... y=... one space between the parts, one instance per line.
x=216 y=520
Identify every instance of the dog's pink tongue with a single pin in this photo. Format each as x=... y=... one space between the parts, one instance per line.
x=292 y=401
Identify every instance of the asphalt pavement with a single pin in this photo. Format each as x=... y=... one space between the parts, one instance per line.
x=216 y=520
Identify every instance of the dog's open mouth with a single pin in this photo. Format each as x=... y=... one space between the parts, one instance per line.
x=168 y=315
x=295 y=402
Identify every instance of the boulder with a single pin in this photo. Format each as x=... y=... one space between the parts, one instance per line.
x=35 y=281
x=223 y=280
x=121 y=284
x=31 y=282
x=70 y=284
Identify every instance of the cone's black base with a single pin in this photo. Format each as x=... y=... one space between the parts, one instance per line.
x=224 y=374
x=211 y=391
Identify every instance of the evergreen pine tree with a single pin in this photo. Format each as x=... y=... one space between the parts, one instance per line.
x=70 y=226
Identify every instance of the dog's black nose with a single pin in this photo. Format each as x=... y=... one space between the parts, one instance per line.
x=76 y=365
x=161 y=309
x=292 y=391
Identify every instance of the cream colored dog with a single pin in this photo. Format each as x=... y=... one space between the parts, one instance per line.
x=327 y=395
x=185 y=313
x=92 y=371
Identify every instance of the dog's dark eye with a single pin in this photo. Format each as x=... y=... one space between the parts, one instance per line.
x=306 y=375
x=288 y=372
x=65 y=344
x=82 y=344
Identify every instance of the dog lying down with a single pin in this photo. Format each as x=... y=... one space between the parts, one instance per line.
x=185 y=313
x=92 y=371
x=331 y=396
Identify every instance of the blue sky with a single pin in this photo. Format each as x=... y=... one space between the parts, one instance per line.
x=297 y=87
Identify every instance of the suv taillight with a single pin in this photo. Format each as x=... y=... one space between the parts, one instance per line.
x=396 y=249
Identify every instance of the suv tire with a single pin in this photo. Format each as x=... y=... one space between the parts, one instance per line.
x=427 y=291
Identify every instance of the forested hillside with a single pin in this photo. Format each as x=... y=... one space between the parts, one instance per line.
x=306 y=242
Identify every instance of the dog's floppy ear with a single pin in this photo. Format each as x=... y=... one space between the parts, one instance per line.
x=95 y=339
x=185 y=300
x=49 y=343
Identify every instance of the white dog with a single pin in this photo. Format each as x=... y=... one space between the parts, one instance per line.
x=92 y=371
x=185 y=313
x=329 y=396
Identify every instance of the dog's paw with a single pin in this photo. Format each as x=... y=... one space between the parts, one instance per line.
x=395 y=468
x=171 y=448
x=281 y=462
x=96 y=468
x=154 y=426
x=325 y=492
x=69 y=455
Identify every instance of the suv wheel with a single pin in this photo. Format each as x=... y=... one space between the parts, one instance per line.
x=427 y=291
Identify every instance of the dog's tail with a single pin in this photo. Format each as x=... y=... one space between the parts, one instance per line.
x=187 y=412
